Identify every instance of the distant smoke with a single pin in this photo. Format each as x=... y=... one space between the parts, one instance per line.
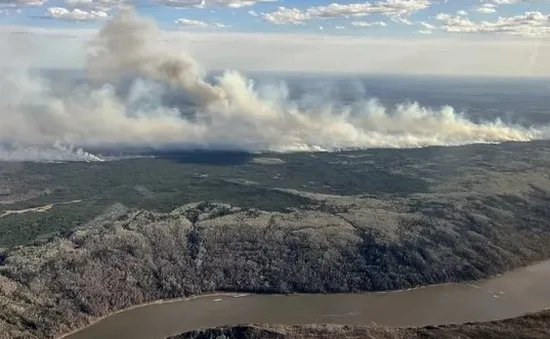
x=232 y=113
x=52 y=153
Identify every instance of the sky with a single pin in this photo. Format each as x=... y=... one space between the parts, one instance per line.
x=457 y=37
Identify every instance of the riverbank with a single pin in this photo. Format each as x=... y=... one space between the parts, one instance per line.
x=503 y=296
x=532 y=326
x=477 y=284
x=156 y=302
x=227 y=294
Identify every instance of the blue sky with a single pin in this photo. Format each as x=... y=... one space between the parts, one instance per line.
x=451 y=37
x=519 y=18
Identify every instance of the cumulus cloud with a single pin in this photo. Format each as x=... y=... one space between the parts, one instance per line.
x=388 y=7
x=391 y=8
x=83 y=10
x=284 y=16
x=490 y=6
x=487 y=8
x=530 y=24
x=211 y=3
x=231 y=112
x=75 y=14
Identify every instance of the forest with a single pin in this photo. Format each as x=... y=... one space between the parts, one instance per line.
x=123 y=233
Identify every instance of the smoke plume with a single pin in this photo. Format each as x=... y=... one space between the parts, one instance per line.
x=127 y=44
x=229 y=113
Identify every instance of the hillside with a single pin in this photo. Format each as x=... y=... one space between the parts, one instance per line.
x=354 y=221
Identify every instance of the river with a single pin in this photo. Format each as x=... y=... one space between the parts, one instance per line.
x=508 y=295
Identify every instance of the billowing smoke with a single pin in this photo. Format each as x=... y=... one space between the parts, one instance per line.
x=130 y=44
x=227 y=113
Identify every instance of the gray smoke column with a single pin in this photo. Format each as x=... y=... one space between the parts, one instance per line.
x=127 y=44
x=41 y=117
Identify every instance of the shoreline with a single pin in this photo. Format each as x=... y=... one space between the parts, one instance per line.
x=151 y=303
x=469 y=283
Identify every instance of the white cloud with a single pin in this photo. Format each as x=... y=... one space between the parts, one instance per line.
x=191 y=23
x=198 y=23
x=339 y=27
x=426 y=25
x=285 y=16
x=253 y=13
x=437 y=55
x=426 y=28
x=211 y=3
x=22 y=3
x=490 y=6
x=392 y=8
x=101 y=5
x=530 y=24
x=83 y=10
x=182 y=3
x=462 y=13
x=367 y=24
x=486 y=8
x=401 y=20
x=75 y=14
x=388 y=7
x=221 y=25
x=507 y=2
x=239 y=4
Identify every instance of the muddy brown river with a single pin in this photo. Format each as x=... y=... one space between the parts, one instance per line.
x=508 y=295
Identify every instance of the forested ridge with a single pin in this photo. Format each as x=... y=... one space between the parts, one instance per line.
x=130 y=257
x=126 y=233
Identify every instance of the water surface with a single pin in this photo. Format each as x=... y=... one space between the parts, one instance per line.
x=511 y=294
